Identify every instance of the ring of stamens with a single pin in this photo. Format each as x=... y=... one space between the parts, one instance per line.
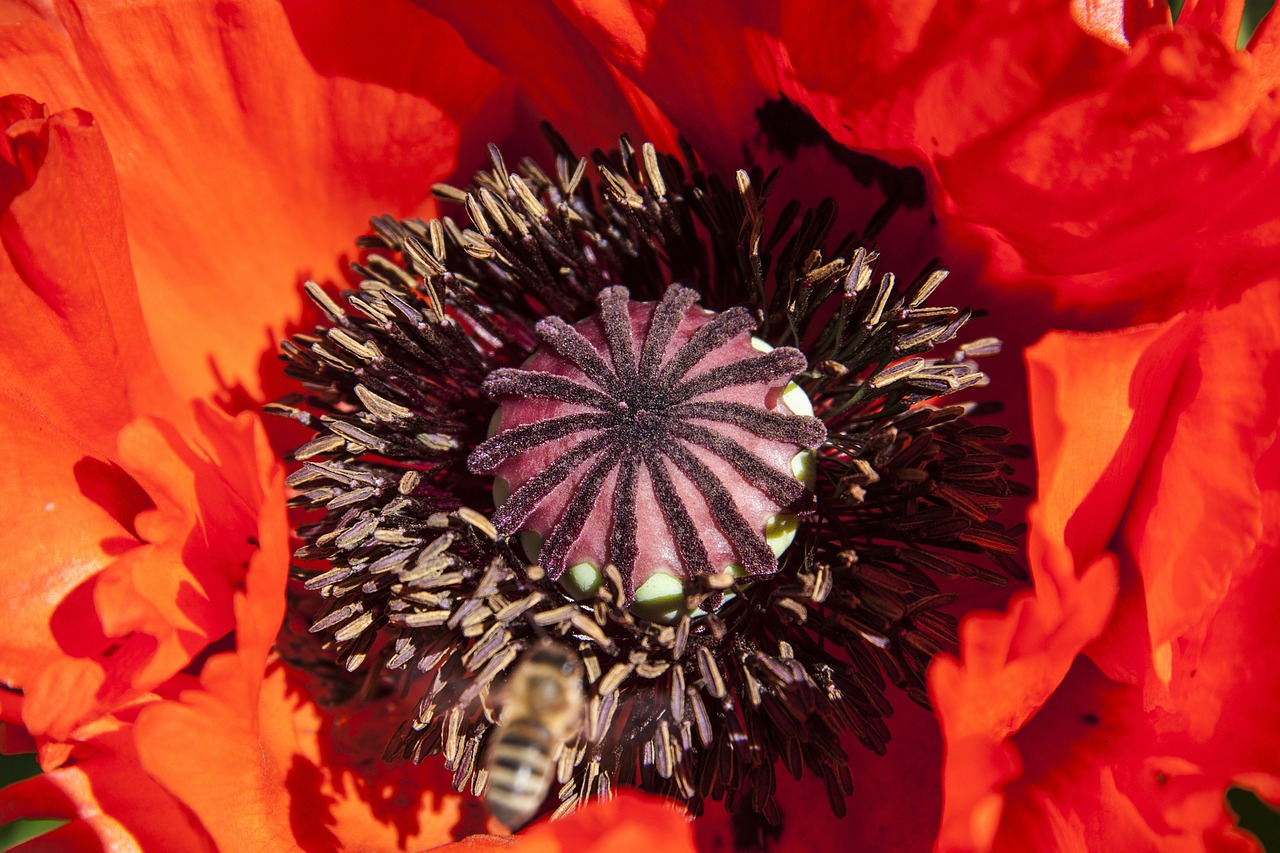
x=423 y=590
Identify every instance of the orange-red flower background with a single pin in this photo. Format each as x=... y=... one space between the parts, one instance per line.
x=1102 y=181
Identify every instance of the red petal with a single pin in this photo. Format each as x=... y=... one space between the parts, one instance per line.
x=128 y=522
x=1220 y=17
x=151 y=610
x=1226 y=670
x=1162 y=169
x=1123 y=423
x=934 y=78
x=1197 y=516
x=1101 y=176
x=896 y=801
x=260 y=766
x=694 y=61
x=78 y=368
x=311 y=118
x=628 y=821
x=1265 y=47
x=111 y=803
x=1100 y=775
x=1096 y=403
x=1011 y=665
x=71 y=304
x=1090 y=444
x=560 y=73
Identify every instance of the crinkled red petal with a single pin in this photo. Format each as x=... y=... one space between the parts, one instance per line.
x=128 y=518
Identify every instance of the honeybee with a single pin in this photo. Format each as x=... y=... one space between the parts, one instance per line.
x=541 y=711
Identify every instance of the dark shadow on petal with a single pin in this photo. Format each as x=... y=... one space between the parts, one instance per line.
x=787 y=128
x=112 y=488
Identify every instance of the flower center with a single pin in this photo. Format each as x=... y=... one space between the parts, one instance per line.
x=655 y=444
x=654 y=437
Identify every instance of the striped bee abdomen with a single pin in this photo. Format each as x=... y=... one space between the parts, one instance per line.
x=521 y=761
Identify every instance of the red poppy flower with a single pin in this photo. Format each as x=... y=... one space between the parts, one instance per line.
x=197 y=161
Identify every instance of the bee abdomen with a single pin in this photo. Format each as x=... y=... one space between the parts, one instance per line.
x=520 y=765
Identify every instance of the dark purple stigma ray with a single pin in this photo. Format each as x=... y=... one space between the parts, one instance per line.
x=645 y=415
x=616 y=320
x=718 y=332
x=805 y=431
x=622 y=539
x=514 y=441
x=757 y=557
x=785 y=490
x=570 y=343
x=682 y=527
x=569 y=527
x=662 y=326
x=777 y=364
x=529 y=383
x=525 y=499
